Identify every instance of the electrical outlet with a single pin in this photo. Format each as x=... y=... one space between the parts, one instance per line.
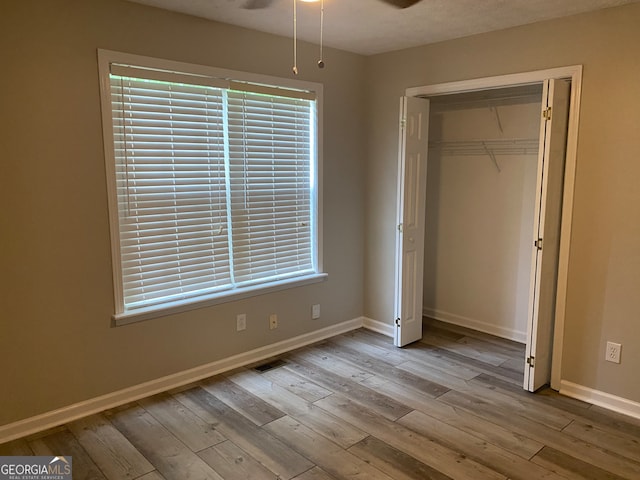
x=273 y=321
x=241 y=322
x=315 y=311
x=613 y=352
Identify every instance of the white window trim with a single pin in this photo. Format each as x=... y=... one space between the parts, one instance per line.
x=122 y=317
x=141 y=314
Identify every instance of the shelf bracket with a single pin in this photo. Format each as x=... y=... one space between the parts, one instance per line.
x=492 y=156
x=494 y=109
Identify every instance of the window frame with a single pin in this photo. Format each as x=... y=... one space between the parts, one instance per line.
x=122 y=316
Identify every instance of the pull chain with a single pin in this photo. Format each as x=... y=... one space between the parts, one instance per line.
x=321 y=61
x=295 y=36
x=295 y=39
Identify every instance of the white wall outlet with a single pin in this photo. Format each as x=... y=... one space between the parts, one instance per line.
x=613 y=352
x=315 y=311
x=241 y=322
x=273 y=321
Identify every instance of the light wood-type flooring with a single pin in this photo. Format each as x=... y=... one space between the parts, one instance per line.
x=355 y=407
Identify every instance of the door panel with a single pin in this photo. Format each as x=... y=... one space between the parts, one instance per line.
x=547 y=234
x=408 y=287
x=412 y=187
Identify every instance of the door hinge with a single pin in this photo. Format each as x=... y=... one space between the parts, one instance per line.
x=400 y=227
x=531 y=361
x=403 y=123
x=546 y=113
x=538 y=244
x=397 y=322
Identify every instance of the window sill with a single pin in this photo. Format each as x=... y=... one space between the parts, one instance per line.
x=156 y=311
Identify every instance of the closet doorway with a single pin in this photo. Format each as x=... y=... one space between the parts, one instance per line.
x=481 y=180
x=498 y=190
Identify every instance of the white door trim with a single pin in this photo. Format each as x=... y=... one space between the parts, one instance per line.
x=573 y=72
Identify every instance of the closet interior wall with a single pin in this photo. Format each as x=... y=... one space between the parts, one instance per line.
x=481 y=180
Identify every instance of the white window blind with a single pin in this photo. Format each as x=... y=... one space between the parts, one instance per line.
x=270 y=175
x=214 y=187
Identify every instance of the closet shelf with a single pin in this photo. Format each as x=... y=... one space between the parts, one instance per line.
x=515 y=146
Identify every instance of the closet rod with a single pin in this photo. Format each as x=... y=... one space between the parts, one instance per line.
x=443 y=102
x=490 y=148
x=526 y=146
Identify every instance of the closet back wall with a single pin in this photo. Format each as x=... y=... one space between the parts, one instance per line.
x=479 y=218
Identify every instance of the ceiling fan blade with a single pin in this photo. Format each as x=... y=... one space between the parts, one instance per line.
x=255 y=4
x=401 y=3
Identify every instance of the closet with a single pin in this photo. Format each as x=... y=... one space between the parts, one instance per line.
x=480 y=208
x=484 y=215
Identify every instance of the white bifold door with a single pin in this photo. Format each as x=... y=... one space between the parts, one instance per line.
x=410 y=235
x=546 y=241
x=412 y=189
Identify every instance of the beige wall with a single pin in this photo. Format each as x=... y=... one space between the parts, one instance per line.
x=56 y=343
x=479 y=220
x=604 y=270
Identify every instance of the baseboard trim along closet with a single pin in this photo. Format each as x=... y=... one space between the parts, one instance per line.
x=602 y=399
x=479 y=325
x=377 y=326
x=78 y=410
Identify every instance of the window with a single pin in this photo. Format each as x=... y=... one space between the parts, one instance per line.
x=213 y=184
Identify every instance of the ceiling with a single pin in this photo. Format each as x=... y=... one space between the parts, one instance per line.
x=371 y=26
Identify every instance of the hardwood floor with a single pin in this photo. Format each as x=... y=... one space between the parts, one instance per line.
x=448 y=407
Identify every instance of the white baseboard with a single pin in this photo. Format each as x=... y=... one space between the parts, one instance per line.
x=78 y=410
x=376 y=326
x=515 y=335
x=602 y=399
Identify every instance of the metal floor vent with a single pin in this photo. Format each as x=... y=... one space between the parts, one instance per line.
x=270 y=365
